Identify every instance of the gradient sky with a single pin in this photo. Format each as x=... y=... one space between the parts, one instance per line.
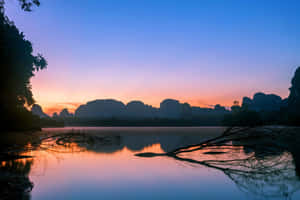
x=203 y=52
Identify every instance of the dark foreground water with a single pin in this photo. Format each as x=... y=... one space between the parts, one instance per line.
x=110 y=169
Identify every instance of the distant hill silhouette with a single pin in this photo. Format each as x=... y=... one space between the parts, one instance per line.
x=38 y=111
x=55 y=115
x=260 y=109
x=169 y=109
x=264 y=102
x=101 y=109
x=65 y=114
x=268 y=108
x=137 y=109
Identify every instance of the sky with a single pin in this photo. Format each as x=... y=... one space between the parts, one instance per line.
x=203 y=52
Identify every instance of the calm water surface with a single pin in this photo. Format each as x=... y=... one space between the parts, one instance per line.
x=110 y=169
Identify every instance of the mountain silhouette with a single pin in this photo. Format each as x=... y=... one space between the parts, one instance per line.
x=65 y=114
x=101 y=109
x=38 y=111
x=169 y=109
x=137 y=109
x=263 y=102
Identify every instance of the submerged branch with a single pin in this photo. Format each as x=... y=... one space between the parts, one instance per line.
x=255 y=159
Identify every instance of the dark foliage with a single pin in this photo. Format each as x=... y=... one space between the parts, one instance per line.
x=26 y=5
x=264 y=110
x=293 y=113
x=15 y=182
x=18 y=65
x=242 y=117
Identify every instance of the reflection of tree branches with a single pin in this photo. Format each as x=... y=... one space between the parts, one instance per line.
x=252 y=158
x=75 y=142
x=274 y=177
x=257 y=160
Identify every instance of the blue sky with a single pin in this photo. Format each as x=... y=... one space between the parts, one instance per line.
x=201 y=52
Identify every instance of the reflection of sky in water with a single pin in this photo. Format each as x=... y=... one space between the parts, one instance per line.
x=116 y=173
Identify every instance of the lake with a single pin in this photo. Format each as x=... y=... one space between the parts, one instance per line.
x=111 y=169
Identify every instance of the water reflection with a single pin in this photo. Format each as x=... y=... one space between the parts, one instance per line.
x=268 y=169
x=15 y=183
x=262 y=162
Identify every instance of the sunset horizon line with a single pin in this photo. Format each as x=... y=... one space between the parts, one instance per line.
x=57 y=107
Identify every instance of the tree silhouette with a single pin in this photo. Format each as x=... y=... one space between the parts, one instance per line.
x=26 y=5
x=294 y=99
x=18 y=65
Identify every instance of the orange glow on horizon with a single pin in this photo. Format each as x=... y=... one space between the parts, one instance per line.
x=54 y=98
x=50 y=108
x=203 y=92
x=58 y=107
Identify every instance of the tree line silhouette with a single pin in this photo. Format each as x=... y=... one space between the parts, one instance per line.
x=287 y=112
